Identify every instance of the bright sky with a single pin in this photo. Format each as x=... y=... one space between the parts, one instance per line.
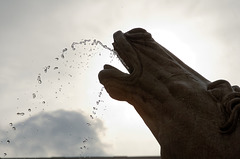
x=57 y=122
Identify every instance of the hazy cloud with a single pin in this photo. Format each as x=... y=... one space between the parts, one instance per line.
x=60 y=133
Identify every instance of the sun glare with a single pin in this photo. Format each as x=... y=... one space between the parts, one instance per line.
x=176 y=45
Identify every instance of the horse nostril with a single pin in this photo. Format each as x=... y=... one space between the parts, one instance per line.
x=137 y=30
x=138 y=34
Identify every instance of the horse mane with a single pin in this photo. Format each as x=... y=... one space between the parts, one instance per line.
x=231 y=107
x=229 y=97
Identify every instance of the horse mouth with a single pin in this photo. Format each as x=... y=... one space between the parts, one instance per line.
x=126 y=54
x=123 y=57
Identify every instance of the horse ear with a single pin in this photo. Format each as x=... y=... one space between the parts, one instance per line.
x=229 y=98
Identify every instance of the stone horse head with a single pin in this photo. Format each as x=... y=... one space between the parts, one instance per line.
x=189 y=116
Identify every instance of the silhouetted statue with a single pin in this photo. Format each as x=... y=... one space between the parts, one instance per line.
x=191 y=117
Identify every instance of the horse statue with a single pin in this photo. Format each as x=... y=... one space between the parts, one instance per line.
x=190 y=116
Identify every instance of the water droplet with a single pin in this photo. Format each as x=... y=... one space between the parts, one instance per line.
x=57 y=58
x=8 y=141
x=55 y=68
x=73 y=45
x=97 y=102
x=29 y=110
x=64 y=50
x=91 y=116
x=21 y=114
x=39 y=79
x=5 y=154
x=34 y=95
x=62 y=56
x=11 y=124
x=43 y=102
x=88 y=124
x=14 y=128
x=46 y=68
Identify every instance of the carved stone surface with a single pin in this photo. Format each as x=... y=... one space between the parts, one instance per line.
x=189 y=116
